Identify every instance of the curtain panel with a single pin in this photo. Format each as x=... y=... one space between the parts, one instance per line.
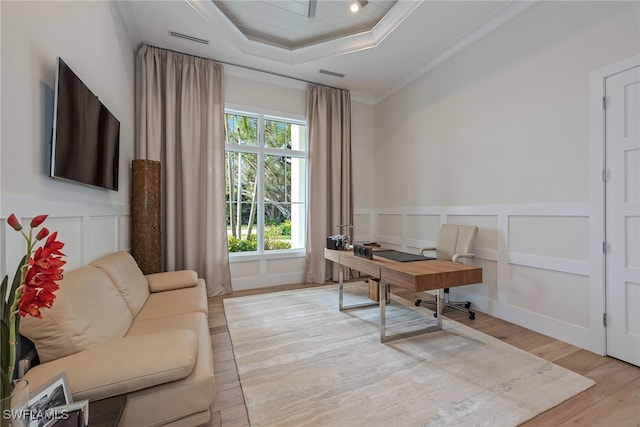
x=330 y=199
x=181 y=124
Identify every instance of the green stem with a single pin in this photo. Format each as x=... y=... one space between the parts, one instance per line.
x=14 y=307
x=12 y=325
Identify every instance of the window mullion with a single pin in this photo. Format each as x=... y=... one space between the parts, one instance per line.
x=260 y=183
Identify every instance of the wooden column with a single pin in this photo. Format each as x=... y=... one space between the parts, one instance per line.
x=145 y=214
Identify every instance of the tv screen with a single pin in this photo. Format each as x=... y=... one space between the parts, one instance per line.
x=86 y=136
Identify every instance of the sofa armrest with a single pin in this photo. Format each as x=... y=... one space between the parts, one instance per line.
x=171 y=280
x=123 y=365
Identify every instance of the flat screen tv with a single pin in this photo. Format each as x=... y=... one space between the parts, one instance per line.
x=86 y=136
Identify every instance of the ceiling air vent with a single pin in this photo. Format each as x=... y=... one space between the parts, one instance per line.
x=190 y=38
x=331 y=73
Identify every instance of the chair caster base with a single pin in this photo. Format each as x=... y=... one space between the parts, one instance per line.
x=472 y=315
x=418 y=302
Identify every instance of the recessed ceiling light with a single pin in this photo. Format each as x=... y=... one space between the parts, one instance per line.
x=357 y=5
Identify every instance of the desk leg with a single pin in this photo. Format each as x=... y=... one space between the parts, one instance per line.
x=382 y=287
x=341 y=287
x=440 y=294
x=341 y=306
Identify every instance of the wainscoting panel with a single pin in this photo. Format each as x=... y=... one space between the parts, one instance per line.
x=535 y=261
x=487 y=229
x=104 y=234
x=88 y=231
x=256 y=271
x=561 y=296
x=124 y=232
x=3 y=249
x=362 y=227
x=244 y=269
x=284 y=266
x=488 y=290
x=421 y=228
x=70 y=231
x=390 y=227
x=564 y=237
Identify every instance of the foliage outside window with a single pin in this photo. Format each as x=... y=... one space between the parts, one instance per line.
x=265 y=168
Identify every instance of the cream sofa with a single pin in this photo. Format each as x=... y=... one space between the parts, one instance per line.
x=115 y=331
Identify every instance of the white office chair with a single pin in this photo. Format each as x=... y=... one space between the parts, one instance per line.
x=454 y=244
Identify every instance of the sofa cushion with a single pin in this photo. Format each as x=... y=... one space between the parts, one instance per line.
x=160 y=282
x=88 y=310
x=169 y=402
x=120 y=366
x=179 y=301
x=124 y=272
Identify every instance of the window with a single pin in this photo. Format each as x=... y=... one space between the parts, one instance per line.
x=266 y=182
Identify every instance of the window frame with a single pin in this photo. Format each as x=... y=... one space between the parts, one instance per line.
x=261 y=151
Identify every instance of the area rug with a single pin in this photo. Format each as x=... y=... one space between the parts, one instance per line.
x=304 y=363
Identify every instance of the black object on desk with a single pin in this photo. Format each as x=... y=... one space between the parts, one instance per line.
x=400 y=256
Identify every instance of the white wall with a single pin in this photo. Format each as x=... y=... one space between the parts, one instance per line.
x=91 y=39
x=498 y=136
x=260 y=92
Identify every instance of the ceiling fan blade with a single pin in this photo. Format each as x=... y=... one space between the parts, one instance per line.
x=312 y=8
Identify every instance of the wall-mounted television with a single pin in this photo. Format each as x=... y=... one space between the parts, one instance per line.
x=86 y=136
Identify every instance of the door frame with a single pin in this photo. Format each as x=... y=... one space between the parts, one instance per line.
x=597 y=202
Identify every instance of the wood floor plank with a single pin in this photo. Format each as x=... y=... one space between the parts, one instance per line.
x=229 y=398
x=222 y=355
x=626 y=400
x=582 y=361
x=609 y=377
x=225 y=367
x=554 y=350
x=235 y=416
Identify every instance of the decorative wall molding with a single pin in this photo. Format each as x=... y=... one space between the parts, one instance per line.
x=250 y=271
x=29 y=206
x=89 y=230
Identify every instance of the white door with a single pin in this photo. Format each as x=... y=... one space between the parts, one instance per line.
x=622 y=192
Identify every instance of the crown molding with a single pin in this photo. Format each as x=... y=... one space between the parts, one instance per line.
x=353 y=43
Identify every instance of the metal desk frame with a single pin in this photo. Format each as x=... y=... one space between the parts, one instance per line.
x=384 y=292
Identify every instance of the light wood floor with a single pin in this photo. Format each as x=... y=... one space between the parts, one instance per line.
x=613 y=401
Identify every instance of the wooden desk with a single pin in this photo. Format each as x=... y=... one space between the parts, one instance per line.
x=417 y=276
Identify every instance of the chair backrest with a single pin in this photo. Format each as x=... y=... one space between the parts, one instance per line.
x=455 y=239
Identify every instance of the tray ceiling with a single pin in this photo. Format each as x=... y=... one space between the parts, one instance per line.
x=373 y=52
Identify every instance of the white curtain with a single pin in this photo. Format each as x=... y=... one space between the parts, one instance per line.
x=182 y=126
x=330 y=195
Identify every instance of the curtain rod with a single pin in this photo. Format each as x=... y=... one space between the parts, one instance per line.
x=244 y=66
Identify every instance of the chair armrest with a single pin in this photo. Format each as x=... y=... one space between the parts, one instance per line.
x=456 y=257
x=159 y=282
x=423 y=250
x=123 y=365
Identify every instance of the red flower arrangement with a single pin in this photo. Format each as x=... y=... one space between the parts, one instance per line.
x=33 y=288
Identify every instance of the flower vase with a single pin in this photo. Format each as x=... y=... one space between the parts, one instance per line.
x=15 y=406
